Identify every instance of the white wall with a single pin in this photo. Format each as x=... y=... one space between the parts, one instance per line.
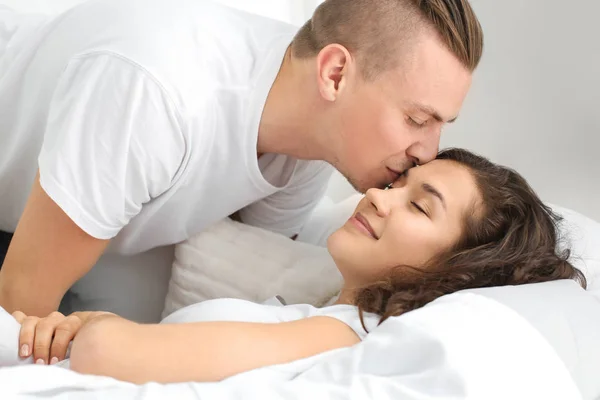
x=535 y=102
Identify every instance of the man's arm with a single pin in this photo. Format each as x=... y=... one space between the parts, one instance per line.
x=203 y=351
x=48 y=254
x=112 y=143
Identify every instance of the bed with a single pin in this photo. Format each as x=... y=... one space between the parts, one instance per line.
x=542 y=339
x=455 y=348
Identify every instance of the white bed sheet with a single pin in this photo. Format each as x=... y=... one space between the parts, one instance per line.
x=463 y=346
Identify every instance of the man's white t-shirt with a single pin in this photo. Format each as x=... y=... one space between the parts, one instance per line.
x=145 y=116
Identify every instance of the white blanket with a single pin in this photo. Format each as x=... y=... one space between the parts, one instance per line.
x=463 y=346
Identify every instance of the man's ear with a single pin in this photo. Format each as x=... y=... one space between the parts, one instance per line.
x=334 y=64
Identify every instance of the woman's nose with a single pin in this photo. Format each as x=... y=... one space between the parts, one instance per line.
x=379 y=200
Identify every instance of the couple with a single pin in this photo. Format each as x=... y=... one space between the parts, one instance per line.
x=137 y=120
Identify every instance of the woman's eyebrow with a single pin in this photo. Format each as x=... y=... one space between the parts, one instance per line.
x=427 y=188
x=434 y=192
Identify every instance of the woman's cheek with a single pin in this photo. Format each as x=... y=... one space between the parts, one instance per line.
x=418 y=245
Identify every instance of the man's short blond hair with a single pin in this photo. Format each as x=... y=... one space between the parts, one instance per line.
x=376 y=31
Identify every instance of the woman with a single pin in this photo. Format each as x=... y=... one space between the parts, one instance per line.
x=456 y=223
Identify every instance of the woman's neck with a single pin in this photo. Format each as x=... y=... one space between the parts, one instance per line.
x=346 y=296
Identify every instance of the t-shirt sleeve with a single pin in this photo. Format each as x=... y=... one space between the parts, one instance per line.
x=350 y=316
x=287 y=210
x=112 y=143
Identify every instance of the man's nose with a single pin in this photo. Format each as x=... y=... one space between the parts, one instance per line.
x=426 y=149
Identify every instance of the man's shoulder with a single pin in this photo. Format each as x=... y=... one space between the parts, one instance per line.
x=166 y=30
x=190 y=47
x=157 y=22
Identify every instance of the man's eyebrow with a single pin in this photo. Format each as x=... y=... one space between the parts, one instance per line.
x=433 y=112
x=434 y=192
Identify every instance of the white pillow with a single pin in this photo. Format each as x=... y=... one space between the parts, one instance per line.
x=582 y=236
x=569 y=319
x=235 y=260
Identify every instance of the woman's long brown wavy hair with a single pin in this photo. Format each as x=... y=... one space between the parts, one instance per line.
x=510 y=237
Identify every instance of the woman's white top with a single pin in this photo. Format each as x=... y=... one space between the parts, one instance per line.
x=271 y=311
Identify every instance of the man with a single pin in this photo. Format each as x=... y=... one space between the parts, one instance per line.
x=141 y=122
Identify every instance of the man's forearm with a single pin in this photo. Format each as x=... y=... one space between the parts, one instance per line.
x=36 y=287
x=38 y=270
x=48 y=253
x=18 y=294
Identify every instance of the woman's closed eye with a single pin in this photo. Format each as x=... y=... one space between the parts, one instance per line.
x=419 y=208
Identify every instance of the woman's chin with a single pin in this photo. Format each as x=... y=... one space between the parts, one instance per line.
x=336 y=243
x=342 y=250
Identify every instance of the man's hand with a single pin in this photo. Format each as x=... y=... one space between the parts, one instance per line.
x=47 y=255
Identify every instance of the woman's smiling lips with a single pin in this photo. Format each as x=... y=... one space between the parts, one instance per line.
x=360 y=222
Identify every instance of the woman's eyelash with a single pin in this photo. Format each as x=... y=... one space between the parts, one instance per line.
x=419 y=208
